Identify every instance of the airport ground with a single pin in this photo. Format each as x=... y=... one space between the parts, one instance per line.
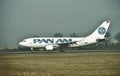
x=105 y=63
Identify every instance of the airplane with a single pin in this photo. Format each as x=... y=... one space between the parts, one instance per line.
x=51 y=43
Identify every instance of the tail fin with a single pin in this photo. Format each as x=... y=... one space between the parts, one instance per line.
x=101 y=31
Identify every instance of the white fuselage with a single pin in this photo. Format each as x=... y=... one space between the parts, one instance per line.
x=42 y=42
x=53 y=42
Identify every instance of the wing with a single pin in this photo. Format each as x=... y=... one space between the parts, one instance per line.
x=67 y=44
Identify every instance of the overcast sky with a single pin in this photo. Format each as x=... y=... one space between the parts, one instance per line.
x=20 y=19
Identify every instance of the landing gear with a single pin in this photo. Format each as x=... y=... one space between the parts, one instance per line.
x=31 y=49
x=61 y=50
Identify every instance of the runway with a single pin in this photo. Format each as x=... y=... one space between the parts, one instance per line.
x=54 y=52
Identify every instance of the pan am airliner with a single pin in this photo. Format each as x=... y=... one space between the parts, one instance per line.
x=50 y=43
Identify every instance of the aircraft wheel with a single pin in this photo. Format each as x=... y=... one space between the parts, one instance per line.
x=61 y=50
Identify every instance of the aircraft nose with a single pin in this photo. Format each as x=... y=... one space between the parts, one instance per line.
x=20 y=43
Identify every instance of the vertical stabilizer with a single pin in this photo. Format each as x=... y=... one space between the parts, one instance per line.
x=101 y=31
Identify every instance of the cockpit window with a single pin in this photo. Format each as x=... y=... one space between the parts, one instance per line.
x=24 y=40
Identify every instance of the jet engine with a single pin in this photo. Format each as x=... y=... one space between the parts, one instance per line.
x=49 y=47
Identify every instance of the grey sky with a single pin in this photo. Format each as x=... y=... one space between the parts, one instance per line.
x=20 y=19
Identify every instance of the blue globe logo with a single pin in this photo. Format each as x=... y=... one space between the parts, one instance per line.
x=101 y=30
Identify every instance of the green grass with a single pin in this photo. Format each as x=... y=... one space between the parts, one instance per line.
x=61 y=64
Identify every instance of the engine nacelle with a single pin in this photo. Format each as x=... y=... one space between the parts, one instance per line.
x=49 y=47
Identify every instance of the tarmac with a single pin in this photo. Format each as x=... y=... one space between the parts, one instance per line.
x=41 y=52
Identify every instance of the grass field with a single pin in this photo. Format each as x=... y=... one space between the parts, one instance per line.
x=61 y=64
